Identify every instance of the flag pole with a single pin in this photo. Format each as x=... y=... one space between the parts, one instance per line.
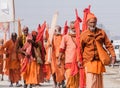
x=13 y=16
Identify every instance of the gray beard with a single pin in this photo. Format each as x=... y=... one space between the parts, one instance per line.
x=58 y=33
x=72 y=32
x=92 y=28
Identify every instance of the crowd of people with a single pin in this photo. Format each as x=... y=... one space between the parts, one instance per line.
x=25 y=58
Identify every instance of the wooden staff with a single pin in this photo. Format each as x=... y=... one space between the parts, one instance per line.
x=51 y=33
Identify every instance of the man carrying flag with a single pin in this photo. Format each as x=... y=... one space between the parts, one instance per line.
x=92 y=63
x=86 y=12
x=68 y=47
x=58 y=73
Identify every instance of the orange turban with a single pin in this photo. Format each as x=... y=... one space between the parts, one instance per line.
x=34 y=32
x=90 y=16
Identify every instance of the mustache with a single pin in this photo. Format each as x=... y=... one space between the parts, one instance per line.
x=92 y=28
x=72 y=32
x=57 y=32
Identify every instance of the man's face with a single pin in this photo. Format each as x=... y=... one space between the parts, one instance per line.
x=25 y=32
x=72 y=31
x=72 y=26
x=92 y=24
x=14 y=37
x=57 y=30
x=34 y=37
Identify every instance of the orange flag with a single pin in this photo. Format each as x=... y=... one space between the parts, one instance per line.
x=86 y=11
x=65 y=28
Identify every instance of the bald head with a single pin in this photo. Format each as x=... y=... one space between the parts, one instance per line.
x=57 y=29
x=14 y=36
x=25 y=30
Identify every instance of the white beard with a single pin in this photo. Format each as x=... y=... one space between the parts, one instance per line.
x=72 y=32
x=92 y=28
x=58 y=33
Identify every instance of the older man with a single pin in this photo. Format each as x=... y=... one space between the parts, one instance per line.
x=93 y=65
x=22 y=38
x=20 y=44
x=58 y=73
x=68 y=47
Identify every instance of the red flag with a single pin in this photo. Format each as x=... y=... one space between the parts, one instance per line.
x=40 y=31
x=65 y=28
x=86 y=11
x=39 y=27
x=79 y=55
x=77 y=27
x=40 y=38
x=74 y=68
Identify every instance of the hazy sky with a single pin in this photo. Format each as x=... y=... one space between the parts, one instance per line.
x=37 y=11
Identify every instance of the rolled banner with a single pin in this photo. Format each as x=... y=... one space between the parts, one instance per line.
x=51 y=32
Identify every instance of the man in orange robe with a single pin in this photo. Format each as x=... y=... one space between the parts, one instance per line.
x=1 y=58
x=20 y=44
x=39 y=55
x=22 y=38
x=68 y=47
x=58 y=73
x=93 y=66
x=14 y=62
x=33 y=70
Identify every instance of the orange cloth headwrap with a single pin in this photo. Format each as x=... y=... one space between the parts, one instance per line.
x=34 y=33
x=90 y=16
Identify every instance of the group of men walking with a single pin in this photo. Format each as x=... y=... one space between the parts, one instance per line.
x=27 y=58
